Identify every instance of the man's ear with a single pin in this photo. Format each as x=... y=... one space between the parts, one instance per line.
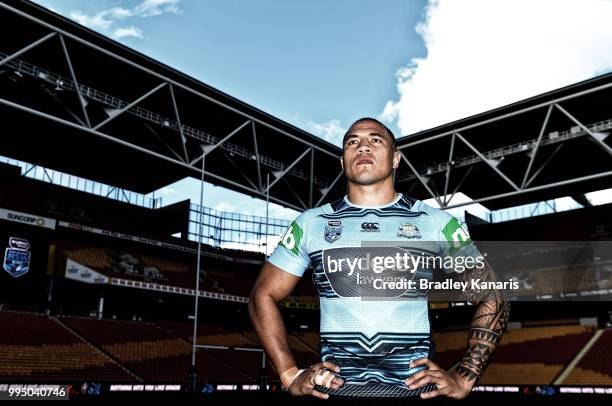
x=396 y=159
x=342 y=163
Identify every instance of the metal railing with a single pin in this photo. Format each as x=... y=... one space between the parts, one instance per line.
x=84 y=185
x=234 y=230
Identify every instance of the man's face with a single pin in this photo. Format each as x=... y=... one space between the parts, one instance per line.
x=368 y=155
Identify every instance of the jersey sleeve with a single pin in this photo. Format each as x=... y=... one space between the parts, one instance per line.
x=454 y=240
x=290 y=254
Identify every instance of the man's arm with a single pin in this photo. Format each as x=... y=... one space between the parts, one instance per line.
x=488 y=324
x=272 y=286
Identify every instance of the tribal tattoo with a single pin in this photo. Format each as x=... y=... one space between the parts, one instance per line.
x=488 y=323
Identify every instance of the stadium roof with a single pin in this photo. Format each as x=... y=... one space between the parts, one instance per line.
x=156 y=118
x=551 y=145
x=138 y=124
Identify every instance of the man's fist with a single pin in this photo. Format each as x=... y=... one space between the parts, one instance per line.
x=300 y=383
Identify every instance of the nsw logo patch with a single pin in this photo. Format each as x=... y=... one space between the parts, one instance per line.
x=333 y=230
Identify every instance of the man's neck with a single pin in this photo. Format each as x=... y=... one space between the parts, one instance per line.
x=371 y=195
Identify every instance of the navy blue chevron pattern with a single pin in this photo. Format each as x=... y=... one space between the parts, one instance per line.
x=386 y=212
x=381 y=359
x=402 y=207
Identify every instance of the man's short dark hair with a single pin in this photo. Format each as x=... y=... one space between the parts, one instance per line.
x=389 y=132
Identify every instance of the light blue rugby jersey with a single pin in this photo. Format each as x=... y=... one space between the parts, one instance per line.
x=372 y=334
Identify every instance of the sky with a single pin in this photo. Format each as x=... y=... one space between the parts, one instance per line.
x=320 y=64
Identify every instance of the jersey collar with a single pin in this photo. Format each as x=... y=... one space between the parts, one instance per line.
x=397 y=199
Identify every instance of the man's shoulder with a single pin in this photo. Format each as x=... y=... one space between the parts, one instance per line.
x=435 y=212
x=307 y=215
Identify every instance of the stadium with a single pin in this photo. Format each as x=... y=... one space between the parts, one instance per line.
x=110 y=293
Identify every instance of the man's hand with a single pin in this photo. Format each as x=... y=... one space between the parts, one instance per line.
x=451 y=385
x=320 y=374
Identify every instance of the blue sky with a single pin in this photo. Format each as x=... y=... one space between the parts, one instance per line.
x=319 y=64
x=316 y=64
x=305 y=62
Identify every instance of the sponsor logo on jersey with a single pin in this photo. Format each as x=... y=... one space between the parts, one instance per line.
x=292 y=238
x=408 y=231
x=370 y=227
x=17 y=257
x=456 y=236
x=333 y=230
x=362 y=271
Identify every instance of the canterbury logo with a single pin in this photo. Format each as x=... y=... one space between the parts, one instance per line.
x=370 y=227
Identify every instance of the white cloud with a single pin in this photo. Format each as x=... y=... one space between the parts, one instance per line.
x=150 y=8
x=97 y=21
x=119 y=12
x=124 y=32
x=105 y=20
x=331 y=131
x=484 y=54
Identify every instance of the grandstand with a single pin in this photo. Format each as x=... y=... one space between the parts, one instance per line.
x=113 y=350
x=595 y=367
x=37 y=348
x=109 y=295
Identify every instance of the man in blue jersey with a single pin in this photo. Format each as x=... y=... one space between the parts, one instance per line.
x=375 y=332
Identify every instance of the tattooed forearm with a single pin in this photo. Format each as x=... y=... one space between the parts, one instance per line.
x=488 y=324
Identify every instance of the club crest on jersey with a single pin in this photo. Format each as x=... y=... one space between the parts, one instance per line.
x=17 y=257
x=408 y=231
x=333 y=230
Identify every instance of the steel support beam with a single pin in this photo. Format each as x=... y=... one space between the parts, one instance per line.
x=298 y=198
x=311 y=179
x=178 y=121
x=548 y=159
x=330 y=187
x=176 y=154
x=210 y=148
x=503 y=116
x=163 y=78
x=256 y=146
x=147 y=115
x=231 y=161
x=287 y=169
x=448 y=170
x=139 y=148
x=458 y=185
x=76 y=82
x=27 y=48
x=534 y=151
x=586 y=129
x=62 y=105
x=535 y=188
x=129 y=106
x=500 y=173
